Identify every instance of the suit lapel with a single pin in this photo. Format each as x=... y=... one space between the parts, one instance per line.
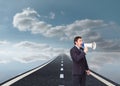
x=77 y=49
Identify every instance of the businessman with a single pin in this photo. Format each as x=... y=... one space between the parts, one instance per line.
x=80 y=67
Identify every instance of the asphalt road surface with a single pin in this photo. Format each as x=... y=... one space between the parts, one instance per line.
x=56 y=73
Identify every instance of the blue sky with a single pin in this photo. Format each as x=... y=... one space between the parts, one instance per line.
x=65 y=13
x=42 y=29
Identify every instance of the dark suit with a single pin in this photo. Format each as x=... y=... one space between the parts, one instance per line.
x=79 y=66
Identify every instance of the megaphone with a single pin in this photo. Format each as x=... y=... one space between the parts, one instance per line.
x=89 y=45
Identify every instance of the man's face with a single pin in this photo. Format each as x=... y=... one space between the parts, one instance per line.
x=79 y=42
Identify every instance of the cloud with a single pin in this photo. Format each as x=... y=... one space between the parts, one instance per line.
x=52 y=15
x=99 y=59
x=28 y=59
x=28 y=20
x=4 y=61
x=26 y=52
x=36 y=51
x=31 y=45
x=4 y=42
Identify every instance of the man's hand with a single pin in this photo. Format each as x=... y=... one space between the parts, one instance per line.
x=88 y=72
x=85 y=49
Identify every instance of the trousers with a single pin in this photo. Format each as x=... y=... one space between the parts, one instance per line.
x=79 y=80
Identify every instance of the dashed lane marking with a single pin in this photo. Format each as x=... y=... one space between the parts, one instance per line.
x=62 y=76
x=60 y=85
x=61 y=64
x=61 y=69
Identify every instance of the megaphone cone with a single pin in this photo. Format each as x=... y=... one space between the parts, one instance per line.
x=89 y=45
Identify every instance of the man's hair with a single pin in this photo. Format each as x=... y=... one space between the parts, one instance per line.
x=76 y=38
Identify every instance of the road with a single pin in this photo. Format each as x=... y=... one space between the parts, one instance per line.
x=55 y=73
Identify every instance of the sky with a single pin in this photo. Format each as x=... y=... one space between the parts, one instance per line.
x=32 y=31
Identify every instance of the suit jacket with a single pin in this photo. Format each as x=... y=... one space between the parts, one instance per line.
x=79 y=61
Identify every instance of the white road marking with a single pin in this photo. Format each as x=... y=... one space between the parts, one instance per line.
x=24 y=75
x=61 y=75
x=99 y=78
x=60 y=85
x=61 y=64
x=102 y=80
x=61 y=69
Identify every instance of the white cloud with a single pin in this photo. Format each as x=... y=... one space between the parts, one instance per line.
x=26 y=52
x=36 y=51
x=99 y=59
x=25 y=20
x=4 y=61
x=4 y=42
x=31 y=45
x=28 y=59
x=28 y=20
x=52 y=15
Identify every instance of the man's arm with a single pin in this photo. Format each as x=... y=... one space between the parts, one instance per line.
x=87 y=68
x=76 y=56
